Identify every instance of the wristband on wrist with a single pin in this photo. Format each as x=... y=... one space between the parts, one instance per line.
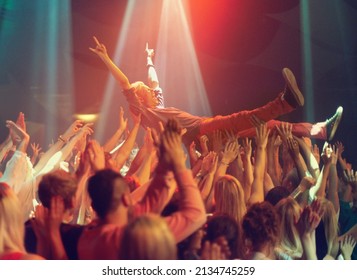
x=150 y=65
x=60 y=138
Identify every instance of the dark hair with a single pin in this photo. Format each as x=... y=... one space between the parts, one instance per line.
x=104 y=192
x=226 y=226
x=57 y=183
x=276 y=194
x=261 y=224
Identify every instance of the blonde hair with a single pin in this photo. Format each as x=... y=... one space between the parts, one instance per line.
x=289 y=212
x=145 y=94
x=12 y=228
x=148 y=237
x=229 y=198
x=330 y=223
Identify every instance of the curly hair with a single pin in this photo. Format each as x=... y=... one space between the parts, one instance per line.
x=261 y=225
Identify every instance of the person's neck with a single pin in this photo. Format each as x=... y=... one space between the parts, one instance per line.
x=119 y=217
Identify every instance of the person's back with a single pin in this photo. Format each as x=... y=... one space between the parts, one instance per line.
x=110 y=197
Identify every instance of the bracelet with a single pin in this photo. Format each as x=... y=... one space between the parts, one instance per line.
x=60 y=138
x=224 y=163
x=150 y=65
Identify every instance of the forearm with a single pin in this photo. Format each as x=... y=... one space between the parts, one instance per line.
x=300 y=165
x=144 y=171
x=236 y=169
x=125 y=150
x=57 y=249
x=322 y=189
x=192 y=214
x=332 y=193
x=47 y=155
x=117 y=73
x=113 y=141
x=309 y=246
x=153 y=80
x=153 y=196
x=206 y=186
x=257 y=193
x=248 y=178
x=273 y=165
x=138 y=160
x=310 y=160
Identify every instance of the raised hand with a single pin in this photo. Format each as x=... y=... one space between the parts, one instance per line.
x=350 y=177
x=72 y=130
x=204 y=145
x=262 y=134
x=217 y=141
x=247 y=147
x=21 y=121
x=96 y=155
x=209 y=163
x=35 y=152
x=192 y=151
x=171 y=149
x=340 y=149
x=348 y=243
x=18 y=136
x=285 y=131
x=230 y=152
x=55 y=215
x=149 y=52
x=326 y=153
x=310 y=218
x=123 y=122
x=99 y=49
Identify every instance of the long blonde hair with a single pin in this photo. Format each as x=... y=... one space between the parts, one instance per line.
x=148 y=237
x=289 y=211
x=229 y=198
x=12 y=228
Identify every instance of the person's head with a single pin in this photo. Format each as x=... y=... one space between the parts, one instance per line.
x=58 y=183
x=261 y=226
x=108 y=190
x=11 y=224
x=148 y=237
x=229 y=197
x=226 y=226
x=289 y=212
x=145 y=94
x=276 y=194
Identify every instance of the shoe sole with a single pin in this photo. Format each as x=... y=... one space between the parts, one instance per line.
x=291 y=82
x=339 y=112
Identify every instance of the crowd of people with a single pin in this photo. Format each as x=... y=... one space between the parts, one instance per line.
x=241 y=186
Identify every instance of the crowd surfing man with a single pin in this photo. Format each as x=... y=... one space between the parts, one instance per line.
x=148 y=101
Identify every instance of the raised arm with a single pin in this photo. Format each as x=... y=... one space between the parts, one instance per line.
x=113 y=141
x=257 y=193
x=101 y=51
x=19 y=136
x=62 y=139
x=124 y=151
x=153 y=80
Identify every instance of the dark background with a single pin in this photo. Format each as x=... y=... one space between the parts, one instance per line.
x=241 y=47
